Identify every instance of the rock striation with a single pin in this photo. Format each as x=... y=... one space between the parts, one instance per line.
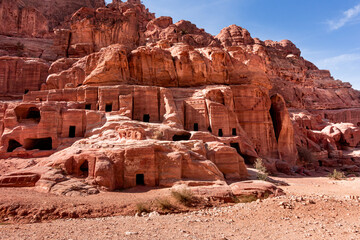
x=116 y=97
x=32 y=18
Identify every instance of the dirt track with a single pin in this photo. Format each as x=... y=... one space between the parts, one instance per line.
x=314 y=208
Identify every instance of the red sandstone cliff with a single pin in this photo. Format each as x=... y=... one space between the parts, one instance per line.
x=33 y=18
x=122 y=81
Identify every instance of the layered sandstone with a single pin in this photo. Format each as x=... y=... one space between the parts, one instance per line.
x=32 y=18
x=21 y=75
x=131 y=99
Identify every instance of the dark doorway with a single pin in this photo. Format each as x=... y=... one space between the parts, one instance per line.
x=247 y=159
x=84 y=169
x=108 y=107
x=276 y=119
x=26 y=91
x=146 y=118
x=88 y=106
x=196 y=127
x=140 y=180
x=220 y=133
x=209 y=129
x=236 y=146
x=72 y=131
x=358 y=124
x=23 y=114
x=38 y=143
x=13 y=144
x=234 y=132
x=33 y=113
x=320 y=163
x=181 y=137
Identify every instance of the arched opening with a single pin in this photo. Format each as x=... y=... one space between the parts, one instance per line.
x=181 y=137
x=320 y=163
x=108 y=107
x=13 y=144
x=236 y=146
x=33 y=113
x=273 y=115
x=38 y=143
x=24 y=114
x=278 y=107
x=247 y=159
x=196 y=127
x=146 y=118
x=220 y=133
x=72 y=131
x=88 y=106
x=84 y=169
x=234 y=132
x=140 y=180
x=26 y=91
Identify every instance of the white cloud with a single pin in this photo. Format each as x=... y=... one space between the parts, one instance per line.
x=344 y=67
x=348 y=16
x=341 y=59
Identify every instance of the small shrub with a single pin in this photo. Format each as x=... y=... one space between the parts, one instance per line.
x=305 y=155
x=164 y=204
x=245 y=199
x=183 y=32
x=19 y=46
x=184 y=196
x=337 y=175
x=19 y=49
x=142 y=208
x=157 y=135
x=262 y=171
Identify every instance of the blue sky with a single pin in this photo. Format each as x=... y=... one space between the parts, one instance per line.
x=326 y=31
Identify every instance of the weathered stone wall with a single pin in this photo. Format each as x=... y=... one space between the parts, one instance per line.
x=18 y=75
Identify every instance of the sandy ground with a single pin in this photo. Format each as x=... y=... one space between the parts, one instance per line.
x=314 y=208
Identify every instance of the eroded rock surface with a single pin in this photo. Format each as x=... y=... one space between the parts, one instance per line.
x=116 y=97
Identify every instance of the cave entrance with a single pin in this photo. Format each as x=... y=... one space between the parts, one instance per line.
x=234 y=133
x=320 y=163
x=33 y=113
x=247 y=159
x=358 y=124
x=88 y=106
x=38 y=143
x=84 y=169
x=220 y=133
x=24 y=114
x=236 y=146
x=140 y=180
x=26 y=91
x=210 y=129
x=13 y=144
x=72 y=131
x=181 y=137
x=146 y=118
x=196 y=127
x=108 y=107
x=273 y=114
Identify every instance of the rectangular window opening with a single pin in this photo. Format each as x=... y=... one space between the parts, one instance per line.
x=72 y=131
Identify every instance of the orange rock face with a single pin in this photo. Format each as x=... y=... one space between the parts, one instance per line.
x=20 y=75
x=130 y=99
x=32 y=18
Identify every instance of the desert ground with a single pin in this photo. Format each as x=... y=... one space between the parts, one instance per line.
x=313 y=208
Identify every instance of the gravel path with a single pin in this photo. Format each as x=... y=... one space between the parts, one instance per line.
x=305 y=213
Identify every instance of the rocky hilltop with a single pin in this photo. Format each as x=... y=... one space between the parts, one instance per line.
x=114 y=97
